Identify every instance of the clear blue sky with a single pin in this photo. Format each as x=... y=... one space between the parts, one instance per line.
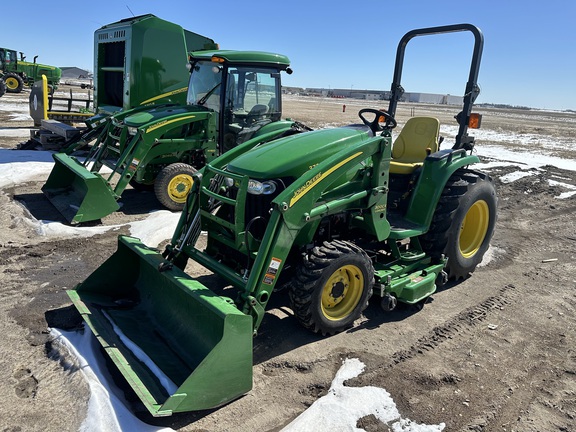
x=529 y=50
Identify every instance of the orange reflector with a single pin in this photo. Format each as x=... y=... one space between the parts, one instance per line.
x=381 y=119
x=475 y=121
x=218 y=59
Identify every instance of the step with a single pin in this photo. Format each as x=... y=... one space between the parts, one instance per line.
x=62 y=129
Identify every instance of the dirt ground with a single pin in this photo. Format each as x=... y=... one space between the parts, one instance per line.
x=495 y=352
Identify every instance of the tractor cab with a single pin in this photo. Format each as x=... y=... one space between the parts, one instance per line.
x=243 y=88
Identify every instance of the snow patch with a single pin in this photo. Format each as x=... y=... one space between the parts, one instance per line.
x=59 y=230
x=15 y=133
x=343 y=406
x=152 y=231
x=107 y=407
x=158 y=226
x=491 y=254
x=563 y=195
x=19 y=166
x=516 y=175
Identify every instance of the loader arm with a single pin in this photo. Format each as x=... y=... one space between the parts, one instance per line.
x=302 y=204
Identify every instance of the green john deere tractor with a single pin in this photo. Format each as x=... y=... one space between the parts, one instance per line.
x=233 y=97
x=19 y=73
x=335 y=215
x=138 y=61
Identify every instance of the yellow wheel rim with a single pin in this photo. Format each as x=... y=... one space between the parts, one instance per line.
x=11 y=83
x=473 y=229
x=342 y=292
x=179 y=187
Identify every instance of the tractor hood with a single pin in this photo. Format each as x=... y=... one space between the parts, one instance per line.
x=164 y=113
x=293 y=156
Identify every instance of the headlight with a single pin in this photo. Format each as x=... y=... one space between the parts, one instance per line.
x=261 y=188
x=132 y=130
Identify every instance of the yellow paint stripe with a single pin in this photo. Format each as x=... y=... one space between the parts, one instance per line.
x=163 y=95
x=307 y=189
x=167 y=122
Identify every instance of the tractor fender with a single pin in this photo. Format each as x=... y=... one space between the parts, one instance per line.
x=436 y=170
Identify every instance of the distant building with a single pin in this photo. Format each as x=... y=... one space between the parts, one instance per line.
x=375 y=95
x=75 y=73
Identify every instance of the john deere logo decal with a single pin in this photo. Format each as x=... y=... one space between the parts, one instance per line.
x=303 y=190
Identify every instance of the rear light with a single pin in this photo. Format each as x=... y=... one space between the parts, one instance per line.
x=475 y=121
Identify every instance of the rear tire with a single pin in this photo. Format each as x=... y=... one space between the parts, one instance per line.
x=2 y=87
x=332 y=287
x=14 y=83
x=173 y=184
x=463 y=223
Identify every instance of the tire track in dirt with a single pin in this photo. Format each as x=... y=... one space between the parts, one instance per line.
x=533 y=367
x=459 y=326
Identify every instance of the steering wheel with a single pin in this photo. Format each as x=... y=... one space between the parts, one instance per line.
x=375 y=125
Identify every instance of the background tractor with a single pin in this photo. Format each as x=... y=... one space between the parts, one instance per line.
x=19 y=73
x=336 y=216
x=125 y=77
x=232 y=97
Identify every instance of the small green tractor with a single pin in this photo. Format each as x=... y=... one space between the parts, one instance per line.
x=233 y=97
x=19 y=73
x=335 y=216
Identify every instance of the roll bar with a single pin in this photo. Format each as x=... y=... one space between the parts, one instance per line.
x=472 y=89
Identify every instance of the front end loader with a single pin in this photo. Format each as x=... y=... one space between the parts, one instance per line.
x=233 y=97
x=335 y=216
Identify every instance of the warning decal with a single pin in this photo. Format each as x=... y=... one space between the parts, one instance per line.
x=272 y=270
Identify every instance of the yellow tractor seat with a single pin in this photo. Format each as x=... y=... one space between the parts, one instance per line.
x=417 y=139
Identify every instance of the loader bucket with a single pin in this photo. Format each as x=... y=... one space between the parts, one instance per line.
x=78 y=194
x=180 y=346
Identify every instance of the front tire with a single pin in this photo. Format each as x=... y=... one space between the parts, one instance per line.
x=141 y=187
x=332 y=287
x=463 y=223
x=14 y=83
x=173 y=184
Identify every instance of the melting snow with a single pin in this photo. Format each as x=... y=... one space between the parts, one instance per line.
x=563 y=195
x=19 y=166
x=157 y=227
x=516 y=175
x=343 y=406
x=107 y=407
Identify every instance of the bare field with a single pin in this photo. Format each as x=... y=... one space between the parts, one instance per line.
x=492 y=353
